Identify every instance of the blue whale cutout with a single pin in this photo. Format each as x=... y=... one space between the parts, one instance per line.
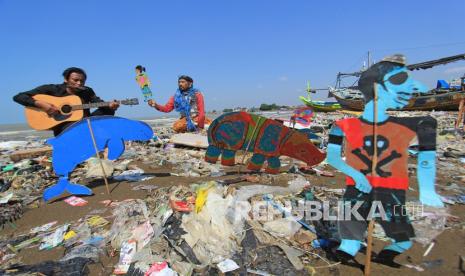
x=74 y=145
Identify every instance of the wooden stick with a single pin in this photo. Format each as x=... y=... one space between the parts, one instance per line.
x=371 y=224
x=98 y=157
x=460 y=114
x=429 y=248
x=248 y=145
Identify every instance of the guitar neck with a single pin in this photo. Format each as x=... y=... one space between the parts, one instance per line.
x=92 y=105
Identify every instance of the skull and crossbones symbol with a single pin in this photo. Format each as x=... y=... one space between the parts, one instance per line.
x=381 y=145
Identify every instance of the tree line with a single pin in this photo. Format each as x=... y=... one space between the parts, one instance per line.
x=263 y=107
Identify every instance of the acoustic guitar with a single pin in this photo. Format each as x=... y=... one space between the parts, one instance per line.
x=71 y=110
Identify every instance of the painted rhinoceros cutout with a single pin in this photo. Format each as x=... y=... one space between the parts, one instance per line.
x=266 y=138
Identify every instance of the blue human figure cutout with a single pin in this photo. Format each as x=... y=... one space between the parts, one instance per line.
x=389 y=181
x=74 y=145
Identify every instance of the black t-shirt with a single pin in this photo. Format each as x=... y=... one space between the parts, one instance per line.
x=87 y=95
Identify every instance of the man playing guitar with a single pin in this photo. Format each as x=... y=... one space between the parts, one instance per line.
x=74 y=80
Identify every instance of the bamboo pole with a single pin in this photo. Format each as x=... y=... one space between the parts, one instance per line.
x=367 y=271
x=98 y=157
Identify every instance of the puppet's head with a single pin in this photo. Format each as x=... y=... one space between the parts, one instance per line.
x=395 y=87
x=140 y=69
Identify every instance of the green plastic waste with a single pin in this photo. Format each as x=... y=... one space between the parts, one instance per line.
x=8 y=168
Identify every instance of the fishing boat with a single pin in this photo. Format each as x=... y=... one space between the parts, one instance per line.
x=319 y=106
x=444 y=97
x=447 y=101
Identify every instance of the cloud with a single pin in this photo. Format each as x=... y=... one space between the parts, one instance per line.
x=283 y=78
x=259 y=86
x=455 y=70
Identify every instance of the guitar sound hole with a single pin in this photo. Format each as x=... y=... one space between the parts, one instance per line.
x=66 y=109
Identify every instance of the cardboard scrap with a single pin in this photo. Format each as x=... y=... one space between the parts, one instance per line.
x=292 y=255
x=304 y=237
x=76 y=201
x=142 y=234
x=69 y=235
x=97 y=221
x=227 y=266
x=190 y=139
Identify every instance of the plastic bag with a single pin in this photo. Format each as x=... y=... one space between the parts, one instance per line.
x=132 y=175
x=430 y=224
x=95 y=170
x=83 y=251
x=209 y=233
x=282 y=227
x=128 y=215
x=296 y=185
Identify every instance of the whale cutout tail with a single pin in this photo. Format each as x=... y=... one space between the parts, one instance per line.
x=64 y=185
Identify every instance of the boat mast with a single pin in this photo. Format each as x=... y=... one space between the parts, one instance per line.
x=368 y=60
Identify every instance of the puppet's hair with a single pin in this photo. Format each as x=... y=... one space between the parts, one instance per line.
x=140 y=68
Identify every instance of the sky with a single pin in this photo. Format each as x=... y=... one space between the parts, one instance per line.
x=239 y=53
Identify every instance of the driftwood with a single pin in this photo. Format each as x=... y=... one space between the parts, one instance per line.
x=30 y=153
